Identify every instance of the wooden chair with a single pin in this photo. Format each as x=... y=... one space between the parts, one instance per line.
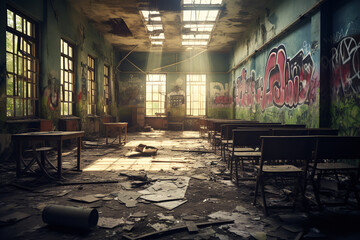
x=202 y=126
x=250 y=140
x=334 y=156
x=38 y=153
x=284 y=157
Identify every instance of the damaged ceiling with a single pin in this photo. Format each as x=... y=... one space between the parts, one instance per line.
x=124 y=26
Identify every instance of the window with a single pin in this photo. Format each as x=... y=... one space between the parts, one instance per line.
x=91 y=86
x=196 y=95
x=106 y=89
x=155 y=94
x=67 y=78
x=22 y=82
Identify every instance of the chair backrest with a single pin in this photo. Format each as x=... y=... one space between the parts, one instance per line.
x=322 y=131
x=293 y=126
x=337 y=147
x=285 y=149
x=289 y=131
x=248 y=137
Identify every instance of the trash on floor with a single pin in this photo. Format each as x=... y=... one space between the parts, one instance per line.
x=142 y=150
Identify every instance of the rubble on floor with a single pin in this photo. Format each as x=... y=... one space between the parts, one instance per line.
x=184 y=191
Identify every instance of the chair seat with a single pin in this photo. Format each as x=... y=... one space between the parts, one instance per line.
x=244 y=149
x=40 y=149
x=280 y=169
x=246 y=154
x=334 y=166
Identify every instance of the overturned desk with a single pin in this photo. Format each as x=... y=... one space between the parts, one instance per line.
x=120 y=126
x=58 y=136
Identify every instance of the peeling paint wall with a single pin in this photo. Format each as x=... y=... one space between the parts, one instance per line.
x=280 y=83
x=345 y=68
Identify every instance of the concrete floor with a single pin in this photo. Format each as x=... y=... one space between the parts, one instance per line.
x=210 y=195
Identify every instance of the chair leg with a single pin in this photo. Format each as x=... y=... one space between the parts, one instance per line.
x=256 y=189
x=231 y=167
x=237 y=171
x=262 y=189
x=316 y=189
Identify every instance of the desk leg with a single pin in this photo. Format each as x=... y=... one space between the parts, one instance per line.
x=59 y=143
x=19 y=158
x=79 y=153
x=125 y=134
x=106 y=132
x=120 y=130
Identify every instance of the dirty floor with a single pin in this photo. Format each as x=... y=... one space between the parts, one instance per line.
x=183 y=184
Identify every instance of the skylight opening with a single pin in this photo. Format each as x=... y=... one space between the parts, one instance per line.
x=154 y=27
x=157 y=43
x=200 y=15
x=149 y=16
x=196 y=36
x=160 y=36
x=199 y=27
x=194 y=43
x=206 y=2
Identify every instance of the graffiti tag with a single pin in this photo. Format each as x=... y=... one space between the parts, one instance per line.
x=345 y=63
x=287 y=82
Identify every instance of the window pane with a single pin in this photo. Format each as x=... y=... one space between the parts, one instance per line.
x=155 y=94
x=18 y=20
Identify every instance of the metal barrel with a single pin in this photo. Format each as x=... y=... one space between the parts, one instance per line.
x=74 y=217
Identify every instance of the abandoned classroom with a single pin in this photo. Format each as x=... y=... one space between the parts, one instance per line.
x=179 y=119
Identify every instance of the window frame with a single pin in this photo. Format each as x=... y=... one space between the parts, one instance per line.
x=25 y=79
x=70 y=72
x=92 y=85
x=159 y=94
x=107 y=89
x=188 y=103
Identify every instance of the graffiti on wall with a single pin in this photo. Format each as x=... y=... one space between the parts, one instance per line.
x=345 y=85
x=82 y=93
x=219 y=93
x=132 y=91
x=288 y=82
x=52 y=93
x=345 y=63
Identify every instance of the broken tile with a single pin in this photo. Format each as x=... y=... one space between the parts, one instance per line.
x=259 y=235
x=128 y=198
x=200 y=177
x=86 y=199
x=107 y=222
x=138 y=215
x=170 y=205
x=14 y=217
x=100 y=195
x=159 y=226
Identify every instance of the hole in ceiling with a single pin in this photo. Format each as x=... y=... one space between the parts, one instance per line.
x=118 y=27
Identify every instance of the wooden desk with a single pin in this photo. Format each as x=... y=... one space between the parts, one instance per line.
x=58 y=136
x=120 y=126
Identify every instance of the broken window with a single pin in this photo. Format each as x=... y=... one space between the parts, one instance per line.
x=195 y=94
x=106 y=89
x=91 y=86
x=155 y=94
x=67 y=78
x=22 y=82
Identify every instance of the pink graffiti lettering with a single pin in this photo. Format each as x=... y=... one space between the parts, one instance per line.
x=287 y=82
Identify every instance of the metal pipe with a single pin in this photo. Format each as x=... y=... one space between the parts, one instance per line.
x=73 y=217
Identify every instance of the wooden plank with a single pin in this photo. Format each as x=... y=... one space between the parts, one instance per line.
x=174 y=229
x=191 y=227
